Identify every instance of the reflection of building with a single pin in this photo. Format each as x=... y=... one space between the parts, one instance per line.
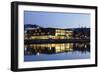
x=63 y=47
x=49 y=48
x=56 y=48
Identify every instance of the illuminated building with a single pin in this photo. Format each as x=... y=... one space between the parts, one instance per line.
x=47 y=33
x=64 y=33
x=37 y=32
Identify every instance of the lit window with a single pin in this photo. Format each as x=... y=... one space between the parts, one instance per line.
x=42 y=33
x=48 y=32
x=35 y=30
x=37 y=33
x=39 y=30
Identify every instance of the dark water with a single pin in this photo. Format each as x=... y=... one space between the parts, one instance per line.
x=58 y=51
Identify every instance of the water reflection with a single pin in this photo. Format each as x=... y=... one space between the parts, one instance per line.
x=37 y=49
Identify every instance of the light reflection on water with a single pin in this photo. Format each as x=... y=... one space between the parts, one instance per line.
x=58 y=51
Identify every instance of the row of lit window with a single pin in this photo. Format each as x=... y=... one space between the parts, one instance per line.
x=41 y=33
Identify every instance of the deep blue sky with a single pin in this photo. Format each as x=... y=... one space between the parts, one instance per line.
x=56 y=19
